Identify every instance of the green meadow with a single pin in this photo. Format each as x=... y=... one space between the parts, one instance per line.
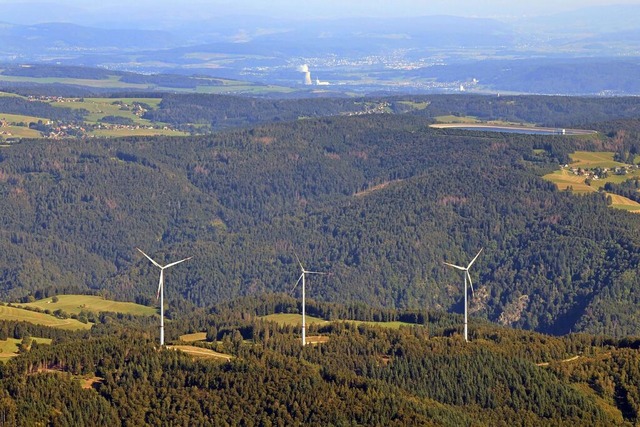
x=296 y=319
x=20 y=314
x=9 y=347
x=74 y=304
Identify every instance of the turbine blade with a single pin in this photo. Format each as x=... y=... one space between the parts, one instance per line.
x=470 y=284
x=149 y=258
x=474 y=259
x=314 y=272
x=296 y=285
x=455 y=266
x=301 y=267
x=177 y=262
x=160 y=284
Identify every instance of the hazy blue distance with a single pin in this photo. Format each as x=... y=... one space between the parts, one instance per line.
x=156 y=13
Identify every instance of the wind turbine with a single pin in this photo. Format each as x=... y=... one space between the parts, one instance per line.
x=302 y=277
x=160 y=293
x=466 y=275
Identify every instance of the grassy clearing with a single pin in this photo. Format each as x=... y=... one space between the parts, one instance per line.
x=416 y=105
x=457 y=119
x=292 y=319
x=620 y=202
x=74 y=304
x=566 y=180
x=20 y=314
x=9 y=347
x=197 y=336
x=100 y=107
x=112 y=82
x=135 y=132
x=599 y=159
x=17 y=118
x=317 y=339
x=202 y=353
x=18 y=132
x=296 y=319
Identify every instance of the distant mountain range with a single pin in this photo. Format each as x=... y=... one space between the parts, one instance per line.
x=367 y=54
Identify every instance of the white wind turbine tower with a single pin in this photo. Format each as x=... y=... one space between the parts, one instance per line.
x=302 y=277
x=466 y=275
x=160 y=293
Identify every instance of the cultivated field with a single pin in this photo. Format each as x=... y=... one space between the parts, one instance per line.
x=565 y=179
x=598 y=159
x=19 y=314
x=74 y=304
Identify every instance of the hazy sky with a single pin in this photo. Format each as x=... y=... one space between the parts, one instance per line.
x=28 y=11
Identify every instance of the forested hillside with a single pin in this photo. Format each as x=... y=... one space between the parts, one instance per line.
x=378 y=201
x=362 y=375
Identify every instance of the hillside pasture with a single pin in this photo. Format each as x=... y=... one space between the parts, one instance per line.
x=196 y=336
x=294 y=319
x=101 y=107
x=594 y=159
x=20 y=314
x=20 y=118
x=566 y=180
x=9 y=347
x=74 y=304
x=620 y=202
x=135 y=132
x=12 y=131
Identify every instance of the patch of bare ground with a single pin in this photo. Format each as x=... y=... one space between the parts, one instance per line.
x=200 y=352
x=317 y=339
x=513 y=311
x=571 y=359
x=89 y=382
x=265 y=140
x=375 y=188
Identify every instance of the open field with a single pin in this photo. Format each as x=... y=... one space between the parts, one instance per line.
x=9 y=347
x=135 y=132
x=110 y=83
x=203 y=353
x=197 y=336
x=18 y=132
x=417 y=105
x=456 y=119
x=19 y=314
x=101 y=107
x=565 y=180
x=620 y=202
x=599 y=159
x=17 y=118
x=296 y=319
x=74 y=304
x=292 y=319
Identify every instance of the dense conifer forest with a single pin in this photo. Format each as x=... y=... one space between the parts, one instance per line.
x=378 y=200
